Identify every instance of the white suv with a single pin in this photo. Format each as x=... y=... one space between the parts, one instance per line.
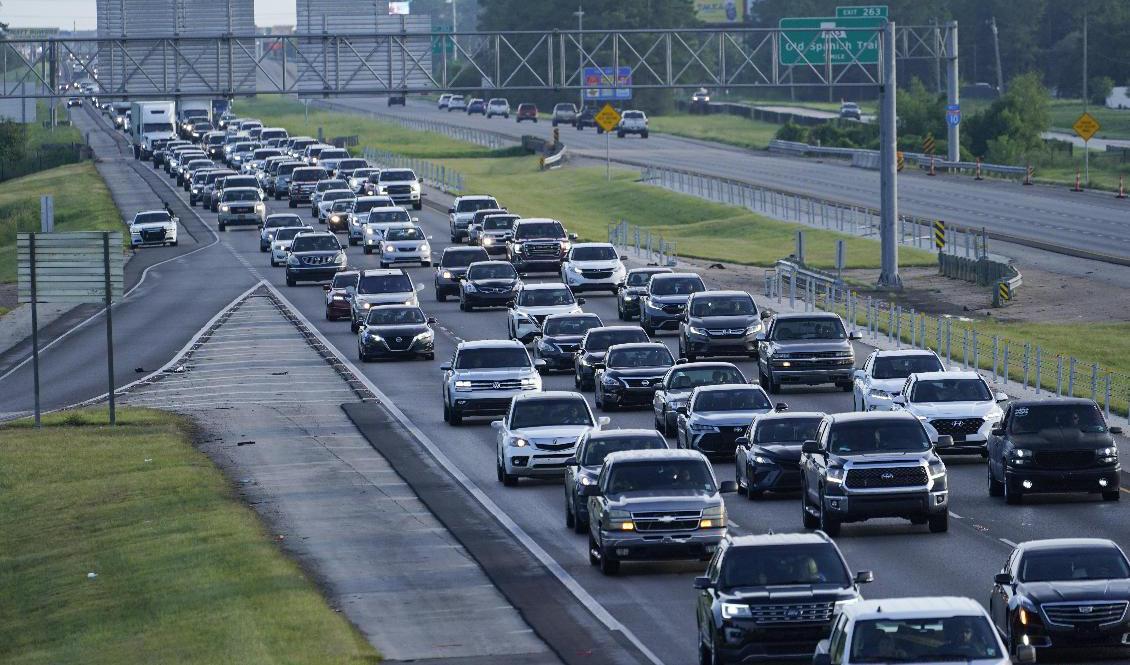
x=498 y=106
x=593 y=266
x=533 y=303
x=959 y=404
x=917 y=631
x=539 y=433
x=632 y=122
x=884 y=374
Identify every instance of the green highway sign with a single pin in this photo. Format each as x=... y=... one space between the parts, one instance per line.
x=864 y=11
x=849 y=40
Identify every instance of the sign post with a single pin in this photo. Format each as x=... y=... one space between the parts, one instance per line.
x=1086 y=127
x=607 y=119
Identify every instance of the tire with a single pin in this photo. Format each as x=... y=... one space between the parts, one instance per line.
x=739 y=482
x=667 y=429
x=608 y=565
x=425 y=264
x=455 y=418
x=223 y=228
x=643 y=135
x=368 y=249
x=619 y=135
x=353 y=327
x=173 y=243
x=809 y=520
x=828 y=524
x=446 y=411
x=291 y=282
x=353 y=242
x=1112 y=495
x=292 y=204
x=570 y=518
x=384 y=264
x=507 y=479
x=594 y=560
x=846 y=387
x=417 y=206
x=441 y=296
x=1012 y=496
x=361 y=355
x=996 y=488
x=940 y=523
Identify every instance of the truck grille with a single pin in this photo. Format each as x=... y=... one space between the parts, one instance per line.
x=241 y=210
x=675 y=520
x=399 y=190
x=1064 y=459
x=884 y=477
x=959 y=427
x=501 y=384
x=543 y=250
x=1084 y=615
x=153 y=235
x=792 y=613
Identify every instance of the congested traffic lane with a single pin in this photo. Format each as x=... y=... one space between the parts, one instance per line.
x=656 y=600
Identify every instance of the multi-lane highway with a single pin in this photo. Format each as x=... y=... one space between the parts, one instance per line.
x=654 y=601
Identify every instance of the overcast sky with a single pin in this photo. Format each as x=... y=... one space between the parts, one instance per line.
x=80 y=13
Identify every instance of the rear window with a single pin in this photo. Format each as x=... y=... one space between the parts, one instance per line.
x=724 y=306
x=308 y=175
x=539 y=230
x=326 y=185
x=600 y=340
x=633 y=115
x=815 y=328
x=595 y=450
x=744 y=399
x=471 y=205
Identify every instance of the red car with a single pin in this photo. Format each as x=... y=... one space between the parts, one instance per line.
x=339 y=295
x=527 y=112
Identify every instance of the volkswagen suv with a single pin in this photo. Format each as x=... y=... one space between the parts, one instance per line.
x=483 y=376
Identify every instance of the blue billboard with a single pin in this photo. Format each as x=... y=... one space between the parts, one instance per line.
x=608 y=83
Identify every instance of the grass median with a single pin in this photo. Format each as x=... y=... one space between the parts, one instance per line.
x=82 y=203
x=184 y=572
x=729 y=129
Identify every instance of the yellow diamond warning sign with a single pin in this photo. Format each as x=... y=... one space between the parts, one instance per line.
x=1086 y=126
x=607 y=118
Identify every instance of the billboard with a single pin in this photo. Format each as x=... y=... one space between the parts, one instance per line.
x=613 y=83
x=720 y=11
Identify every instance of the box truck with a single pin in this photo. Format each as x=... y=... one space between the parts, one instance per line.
x=151 y=121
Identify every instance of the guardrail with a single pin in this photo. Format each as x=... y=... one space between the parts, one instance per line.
x=651 y=249
x=491 y=140
x=556 y=160
x=869 y=159
x=435 y=175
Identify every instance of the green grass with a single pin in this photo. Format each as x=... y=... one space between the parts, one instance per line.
x=1113 y=123
x=38 y=135
x=729 y=129
x=185 y=573
x=82 y=203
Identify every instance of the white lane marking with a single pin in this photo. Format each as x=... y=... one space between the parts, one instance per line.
x=567 y=580
x=1006 y=541
x=956 y=516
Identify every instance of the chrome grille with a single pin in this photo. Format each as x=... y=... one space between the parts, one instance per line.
x=674 y=520
x=885 y=477
x=792 y=613
x=675 y=308
x=818 y=354
x=241 y=210
x=727 y=332
x=1084 y=615
x=500 y=384
x=958 y=426
x=317 y=260
x=551 y=250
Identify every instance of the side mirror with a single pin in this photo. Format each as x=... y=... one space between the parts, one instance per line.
x=1003 y=579
x=728 y=487
x=603 y=420
x=431 y=320
x=899 y=400
x=570 y=461
x=580 y=301
x=681 y=410
x=590 y=490
x=742 y=441
x=496 y=424
x=702 y=583
x=177 y=219
x=1115 y=429
x=760 y=337
x=417 y=220
x=944 y=441
x=681 y=361
x=325 y=287
x=766 y=314
x=811 y=447
x=623 y=257
x=864 y=577
x=539 y=363
x=1026 y=653
x=998 y=429
x=855 y=335
x=446 y=367
x=572 y=236
x=596 y=365
x=1001 y=397
x=451 y=211
x=780 y=406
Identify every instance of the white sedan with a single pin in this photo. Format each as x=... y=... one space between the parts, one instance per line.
x=884 y=374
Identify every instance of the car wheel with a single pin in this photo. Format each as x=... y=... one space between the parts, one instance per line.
x=353 y=326
x=291 y=282
x=1112 y=495
x=507 y=479
x=223 y=227
x=809 y=520
x=996 y=487
x=368 y=249
x=470 y=307
x=828 y=523
x=455 y=418
x=441 y=296
x=594 y=558
x=418 y=206
x=940 y=523
x=384 y=264
x=608 y=565
x=262 y=249
x=570 y=518
x=361 y=355
x=292 y=204
x=846 y=387
x=1012 y=495
x=668 y=430
x=353 y=242
x=643 y=135
x=173 y=243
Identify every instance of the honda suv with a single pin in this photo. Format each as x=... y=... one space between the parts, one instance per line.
x=539 y=433
x=720 y=323
x=667 y=296
x=483 y=377
x=595 y=266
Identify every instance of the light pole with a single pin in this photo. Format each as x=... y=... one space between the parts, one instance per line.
x=580 y=14
x=454 y=28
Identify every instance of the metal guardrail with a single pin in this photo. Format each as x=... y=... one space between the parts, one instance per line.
x=435 y=175
x=869 y=159
x=556 y=160
x=491 y=140
x=652 y=249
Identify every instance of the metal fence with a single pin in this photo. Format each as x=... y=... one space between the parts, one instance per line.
x=467 y=134
x=652 y=249
x=47 y=156
x=958 y=341
x=436 y=175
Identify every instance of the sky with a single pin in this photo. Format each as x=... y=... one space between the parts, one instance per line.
x=69 y=14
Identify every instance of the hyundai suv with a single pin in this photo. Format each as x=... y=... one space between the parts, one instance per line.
x=960 y=404
x=583 y=468
x=533 y=303
x=720 y=323
x=381 y=287
x=539 y=433
x=483 y=377
x=595 y=266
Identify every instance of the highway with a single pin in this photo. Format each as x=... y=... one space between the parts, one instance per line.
x=1087 y=221
x=654 y=601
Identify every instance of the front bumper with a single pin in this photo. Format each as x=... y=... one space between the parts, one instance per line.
x=483 y=402
x=711 y=345
x=406 y=257
x=812 y=376
x=558 y=361
x=338 y=226
x=578 y=282
x=1044 y=635
x=390 y=347
x=153 y=240
x=312 y=273
x=338 y=309
x=530 y=462
x=777 y=476
x=236 y=219
x=622 y=396
x=299 y=196
x=660 y=319
x=744 y=641
x=722 y=442
x=860 y=506
x=479 y=299
x=528 y=264
x=1052 y=481
x=659 y=546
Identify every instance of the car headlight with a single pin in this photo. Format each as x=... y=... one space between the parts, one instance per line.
x=339 y=298
x=366 y=305
x=835 y=474
x=517 y=247
x=549 y=346
x=371 y=336
x=224 y=207
x=529 y=381
x=423 y=337
x=446 y=274
x=878 y=394
x=736 y=611
x=293 y=261
x=697 y=331
x=519 y=442
x=260 y=207
x=585 y=480
x=195 y=190
x=702 y=427
x=488 y=241
x=609 y=381
x=335 y=218
x=762 y=460
x=462 y=385
x=630 y=297
x=468 y=287
x=369 y=230
x=620 y=520
x=340 y=258
x=937 y=469
x=754 y=328
x=426 y=248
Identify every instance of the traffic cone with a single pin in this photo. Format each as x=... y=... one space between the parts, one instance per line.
x=1028 y=175
x=978 y=173
x=1078 y=185
x=1121 y=190
x=931 y=167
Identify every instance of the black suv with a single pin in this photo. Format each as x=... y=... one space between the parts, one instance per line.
x=808 y=349
x=587 y=118
x=1054 y=445
x=772 y=597
x=1063 y=593
x=720 y=323
x=630 y=374
x=675 y=388
x=874 y=464
x=584 y=468
x=633 y=290
x=452 y=267
x=314 y=257
x=488 y=284
x=767 y=458
x=561 y=336
x=666 y=300
x=303 y=181
x=593 y=347
x=715 y=416
x=538 y=245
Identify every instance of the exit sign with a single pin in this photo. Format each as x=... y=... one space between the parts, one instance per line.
x=864 y=11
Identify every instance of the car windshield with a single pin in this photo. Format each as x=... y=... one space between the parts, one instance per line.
x=241 y=195
x=665 y=476
x=151 y=217
x=344 y=280
x=337 y=195
x=396 y=316
x=570 y=325
x=462 y=259
x=240 y=181
x=546 y=297
x=743 y=399
x=327 y=185
x=550 y=412
x=883 y=436
x=669 y=286
x=289 y=233
x=782 y=565
x=411 y=233
x=814 y=328
x=370 y=204
x=684 y=379
x=1036 y=418
x=539 y=230
x=263 y=154
x=596 y=449
x=344 y=205
x=316 y=244
x=1076 y=564
x=492 y=271
x=492 y=358
x=397 y=175
x=384 y=284
x=385 y=216
x=785 y=430
x=950 y=390
x=595 y=254
x=729 y=306
x=652 y=356
x=277 y=221
x=931 y=640
x=636 y=278
x=900 y=367
x=471 y=205
x=498 y=223
x=599 y=340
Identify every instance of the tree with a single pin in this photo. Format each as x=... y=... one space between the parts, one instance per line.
x=13 y=141
x=1011 y=130
x=1100 y=88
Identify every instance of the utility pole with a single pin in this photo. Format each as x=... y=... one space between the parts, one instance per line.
x=937 y=57
x=580 y=14
x=454 y=28
x=997 y=51
x=953 y=88
x=1086 y=99
x=888 y=173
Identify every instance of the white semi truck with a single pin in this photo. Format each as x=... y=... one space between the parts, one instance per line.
x=151 y=121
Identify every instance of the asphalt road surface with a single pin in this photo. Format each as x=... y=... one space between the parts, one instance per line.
x=654 y=601
x=1087 y=221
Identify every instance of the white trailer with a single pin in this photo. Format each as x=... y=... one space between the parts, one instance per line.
x=151 y=121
